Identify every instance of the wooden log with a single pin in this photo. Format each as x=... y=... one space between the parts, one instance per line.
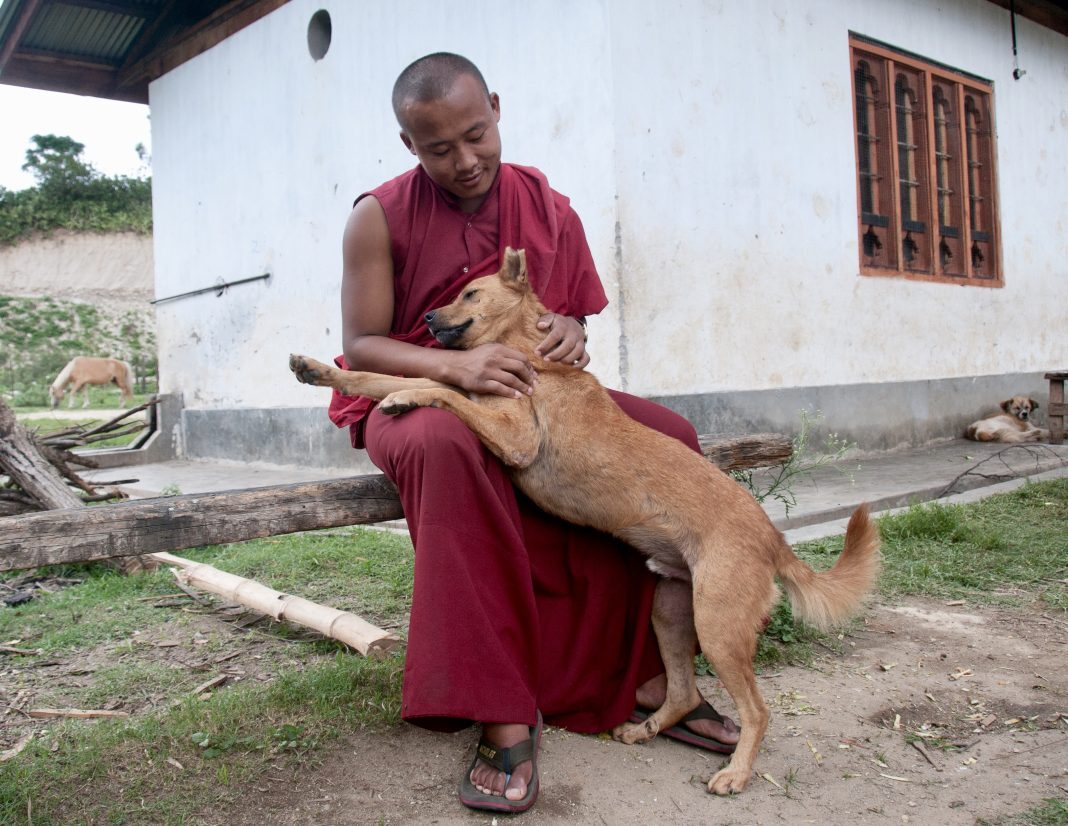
x=746 y=452
x=330 y=622
x=171 y=523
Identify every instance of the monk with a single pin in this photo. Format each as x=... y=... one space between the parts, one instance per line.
x=517 y=618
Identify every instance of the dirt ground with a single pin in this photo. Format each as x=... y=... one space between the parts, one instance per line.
x=933 y=713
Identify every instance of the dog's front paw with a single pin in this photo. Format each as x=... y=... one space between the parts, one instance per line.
x=631 y=733
x=308 y=370
x=729 y=780
x=402 y=401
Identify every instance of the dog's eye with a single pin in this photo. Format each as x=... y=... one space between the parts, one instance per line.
x=469 y=295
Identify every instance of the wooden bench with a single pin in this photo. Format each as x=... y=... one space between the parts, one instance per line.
x=171 y=523
x=1057 y=409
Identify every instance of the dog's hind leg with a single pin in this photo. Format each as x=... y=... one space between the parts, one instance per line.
x=728 y=640
x=677 y=640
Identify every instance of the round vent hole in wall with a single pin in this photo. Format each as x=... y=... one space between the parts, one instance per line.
x=319 y=33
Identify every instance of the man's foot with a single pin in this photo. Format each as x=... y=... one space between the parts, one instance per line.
x=489 y=780
x=651 y=696
x=503 y=777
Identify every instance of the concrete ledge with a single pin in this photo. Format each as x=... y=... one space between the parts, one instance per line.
x=280 y=436
x=876 y=417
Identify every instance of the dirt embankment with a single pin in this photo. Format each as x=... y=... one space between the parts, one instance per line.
x=114 y=269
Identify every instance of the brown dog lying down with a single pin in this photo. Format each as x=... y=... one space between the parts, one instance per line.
x=572 y=451
x=1012 y=425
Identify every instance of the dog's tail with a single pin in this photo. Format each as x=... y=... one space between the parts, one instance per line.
x=824 y=598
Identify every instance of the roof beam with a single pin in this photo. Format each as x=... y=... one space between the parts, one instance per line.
x=15 y=33
x=193 y=41
x=71 y=77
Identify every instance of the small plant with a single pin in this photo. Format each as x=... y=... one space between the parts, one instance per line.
x=778 y=483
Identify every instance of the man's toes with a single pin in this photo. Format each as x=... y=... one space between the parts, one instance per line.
x=516 y=790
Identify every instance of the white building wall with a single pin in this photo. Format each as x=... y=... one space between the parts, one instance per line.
x=737 y=192
x=707 y=146
x=259 y=151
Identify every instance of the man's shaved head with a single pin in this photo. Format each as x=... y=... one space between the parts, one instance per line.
x=430 y=78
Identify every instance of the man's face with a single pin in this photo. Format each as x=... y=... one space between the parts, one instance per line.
x=456 y=139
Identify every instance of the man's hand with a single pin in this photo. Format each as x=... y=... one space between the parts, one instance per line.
x=493 y=368
x=565 y=340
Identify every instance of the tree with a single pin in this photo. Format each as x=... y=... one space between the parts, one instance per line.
x=56 y=162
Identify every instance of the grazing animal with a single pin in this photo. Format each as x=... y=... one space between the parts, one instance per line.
x=1012 y=425
x=571 y=449
x=82 y=371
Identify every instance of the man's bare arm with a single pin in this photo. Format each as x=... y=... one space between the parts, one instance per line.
x=367 y=306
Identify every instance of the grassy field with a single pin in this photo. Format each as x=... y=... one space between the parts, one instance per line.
x=138 y=645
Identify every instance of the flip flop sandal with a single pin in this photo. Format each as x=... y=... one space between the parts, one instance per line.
x=504 y=759
x=679 y=732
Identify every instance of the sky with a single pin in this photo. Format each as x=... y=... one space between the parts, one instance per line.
x=109 y=129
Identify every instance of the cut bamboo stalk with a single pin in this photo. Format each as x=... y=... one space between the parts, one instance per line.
x=343 y=626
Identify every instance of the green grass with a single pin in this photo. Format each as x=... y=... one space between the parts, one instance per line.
x=1010 y=549
x=1052 y=812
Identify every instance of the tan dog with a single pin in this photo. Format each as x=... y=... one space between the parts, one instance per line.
x=577 y=455
x=1012 y=425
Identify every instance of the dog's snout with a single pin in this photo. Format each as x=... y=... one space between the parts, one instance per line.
x=429 y=317
x=1024 y=414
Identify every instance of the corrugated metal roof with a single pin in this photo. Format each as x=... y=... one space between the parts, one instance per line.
x=112 y=48
x=94 y=34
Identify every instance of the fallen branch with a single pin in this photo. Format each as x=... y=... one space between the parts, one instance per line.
x=80 y=713
x=1006 y=471
x=10 y=649
x=343 y=626
x=15 y=749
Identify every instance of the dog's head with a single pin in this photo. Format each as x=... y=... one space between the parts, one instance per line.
x=1020 y=407
x=487 y=308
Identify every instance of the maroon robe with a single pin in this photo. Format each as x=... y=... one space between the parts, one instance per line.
x=513 y=610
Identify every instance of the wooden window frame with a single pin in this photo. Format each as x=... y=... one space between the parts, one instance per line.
x=968 y=161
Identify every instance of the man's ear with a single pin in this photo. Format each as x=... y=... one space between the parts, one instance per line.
x=514 y=267
x=407 y=141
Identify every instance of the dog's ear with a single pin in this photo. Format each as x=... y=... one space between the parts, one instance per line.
x=1034 y=404
x=1005 y=405
x=514 y=267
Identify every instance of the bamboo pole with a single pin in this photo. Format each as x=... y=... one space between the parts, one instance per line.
x=343 y=626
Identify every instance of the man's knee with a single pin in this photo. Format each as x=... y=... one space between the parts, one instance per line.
x=421 y=434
